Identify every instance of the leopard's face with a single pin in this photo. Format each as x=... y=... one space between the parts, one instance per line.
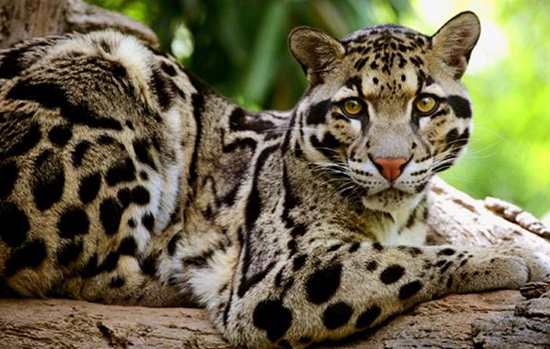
x=386 y=113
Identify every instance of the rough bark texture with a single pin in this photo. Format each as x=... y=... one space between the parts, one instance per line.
x=22 y=19
x=502 y=319
x=488 y=320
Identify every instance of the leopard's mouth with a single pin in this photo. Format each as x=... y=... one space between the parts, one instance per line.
x=391 y=199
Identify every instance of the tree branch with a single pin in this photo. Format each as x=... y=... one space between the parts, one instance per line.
x=23 y=19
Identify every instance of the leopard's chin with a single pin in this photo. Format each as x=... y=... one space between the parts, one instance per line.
x=391 y=200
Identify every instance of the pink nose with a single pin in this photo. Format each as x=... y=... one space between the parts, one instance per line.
x=390 y=168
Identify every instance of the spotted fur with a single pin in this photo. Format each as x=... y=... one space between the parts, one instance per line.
x=124 y=179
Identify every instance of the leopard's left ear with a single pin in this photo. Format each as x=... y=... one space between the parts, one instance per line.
x=455 y=40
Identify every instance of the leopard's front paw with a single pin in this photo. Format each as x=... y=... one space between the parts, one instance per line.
x=501 y=267
x=537 y=263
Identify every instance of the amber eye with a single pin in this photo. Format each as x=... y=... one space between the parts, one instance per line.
x=352 y=107
x=425 y=104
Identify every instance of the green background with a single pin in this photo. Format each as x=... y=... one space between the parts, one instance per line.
x=239 y=47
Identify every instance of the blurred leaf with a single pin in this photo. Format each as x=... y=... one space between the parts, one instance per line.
x=264 y=62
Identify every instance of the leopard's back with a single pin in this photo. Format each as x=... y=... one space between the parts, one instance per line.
x=90 y=157
x=115 y=162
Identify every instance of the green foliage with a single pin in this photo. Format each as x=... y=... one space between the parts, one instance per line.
x=239 y=47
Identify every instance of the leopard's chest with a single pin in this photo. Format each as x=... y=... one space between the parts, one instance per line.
x=403 y=228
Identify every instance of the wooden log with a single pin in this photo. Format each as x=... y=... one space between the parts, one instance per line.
x=457 y=321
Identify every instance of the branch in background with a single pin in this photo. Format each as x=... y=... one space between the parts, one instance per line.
x=518 y=216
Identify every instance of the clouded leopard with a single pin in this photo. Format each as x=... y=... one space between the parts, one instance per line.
x=124 y=179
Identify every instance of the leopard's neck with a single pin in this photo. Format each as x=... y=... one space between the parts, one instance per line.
x=265 y=147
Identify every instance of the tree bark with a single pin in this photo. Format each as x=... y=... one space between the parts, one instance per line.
x=501 y=319
x=22 y=19
x=484 y=320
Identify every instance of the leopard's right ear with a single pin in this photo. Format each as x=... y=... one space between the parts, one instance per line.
x=316 y=51
x=454 y=41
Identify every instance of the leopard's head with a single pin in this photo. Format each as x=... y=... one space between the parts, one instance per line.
x=385 y=109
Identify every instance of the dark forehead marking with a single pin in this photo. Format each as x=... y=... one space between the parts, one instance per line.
x=423 y=80
x=429 y=80
x=360 y=63
x=356 y=82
